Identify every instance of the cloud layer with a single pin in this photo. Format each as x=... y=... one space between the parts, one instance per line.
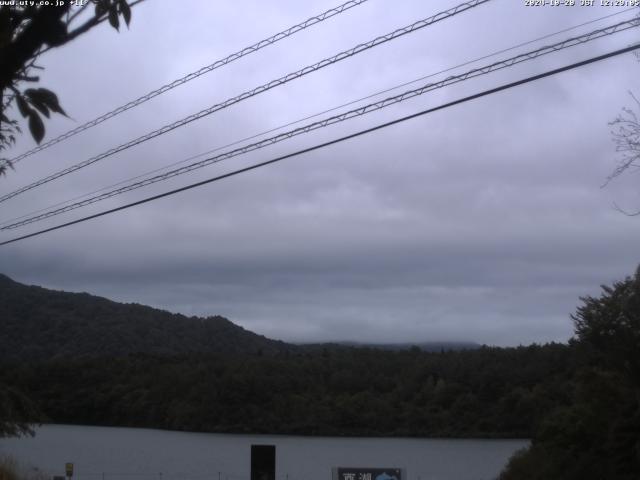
x=483 y=222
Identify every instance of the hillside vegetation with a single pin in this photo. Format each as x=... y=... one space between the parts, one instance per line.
x=488 y=392
x=39 y=324
x=87 y=360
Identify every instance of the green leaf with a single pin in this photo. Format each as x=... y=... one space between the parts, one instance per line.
x=113 y=18
x=101 y=7
x=37 y=100
x=25 y=109
x=36 y=127
x=42 y=108
x=126 y=11
x=47 y=98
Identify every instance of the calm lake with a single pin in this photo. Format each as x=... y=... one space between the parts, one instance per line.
x=140 y=454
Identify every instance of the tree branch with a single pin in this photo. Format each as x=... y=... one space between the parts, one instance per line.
x=76 y=13
x=88 y=25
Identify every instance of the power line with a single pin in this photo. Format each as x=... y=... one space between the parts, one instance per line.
x=591 y=36
x=193 y=75
x=317 y=114
x=250 y=93
x=336 y=141
x=352 y=102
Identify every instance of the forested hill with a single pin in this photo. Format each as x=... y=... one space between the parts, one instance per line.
x=170 y=371
x=41 y=324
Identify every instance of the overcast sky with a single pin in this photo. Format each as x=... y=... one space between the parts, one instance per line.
x=483 y=222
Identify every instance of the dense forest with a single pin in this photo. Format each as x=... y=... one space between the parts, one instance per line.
x=487 y=392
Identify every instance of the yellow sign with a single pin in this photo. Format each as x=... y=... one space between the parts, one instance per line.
x=69 y=469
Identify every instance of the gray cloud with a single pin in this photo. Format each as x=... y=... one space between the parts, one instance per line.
x=483 y=222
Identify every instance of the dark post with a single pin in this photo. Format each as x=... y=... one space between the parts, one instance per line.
x=263 y=462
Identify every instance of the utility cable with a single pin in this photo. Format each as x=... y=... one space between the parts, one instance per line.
x=187 y=78
x=372 y=107
x=250 y=93
x=336 y=141
x=309 y=117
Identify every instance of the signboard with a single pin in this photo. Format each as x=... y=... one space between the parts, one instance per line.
x=344 y=473
x=68 y=468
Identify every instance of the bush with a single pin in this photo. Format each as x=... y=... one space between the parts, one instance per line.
x=10 y=469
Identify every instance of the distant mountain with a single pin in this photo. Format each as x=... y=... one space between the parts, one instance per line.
x=41 y=324
x=424 y=346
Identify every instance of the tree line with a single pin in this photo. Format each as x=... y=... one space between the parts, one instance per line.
x=488 y=392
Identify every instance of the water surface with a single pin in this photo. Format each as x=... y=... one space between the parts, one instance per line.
x=141 y=454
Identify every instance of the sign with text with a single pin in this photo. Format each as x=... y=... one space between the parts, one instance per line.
x=351 y=473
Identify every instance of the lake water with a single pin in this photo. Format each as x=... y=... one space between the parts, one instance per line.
x=141 y=454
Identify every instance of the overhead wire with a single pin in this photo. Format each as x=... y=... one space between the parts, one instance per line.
x=484 y=93
x=193 y=75
x=256 y=91
x=375 y=106
x=317 y=114
x=280 y=127
x=288 y=124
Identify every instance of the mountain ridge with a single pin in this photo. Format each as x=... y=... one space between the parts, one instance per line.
x=37 y=324
x=40 y=324
x=433 y=346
